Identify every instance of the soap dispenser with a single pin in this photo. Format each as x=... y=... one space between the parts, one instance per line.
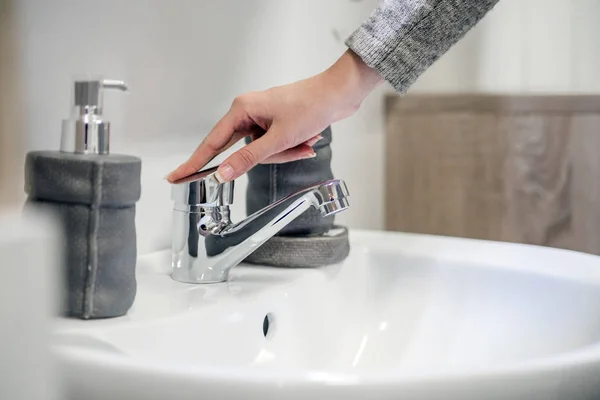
x=93 y=194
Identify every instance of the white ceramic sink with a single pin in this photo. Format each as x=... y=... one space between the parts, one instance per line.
x=405 y=316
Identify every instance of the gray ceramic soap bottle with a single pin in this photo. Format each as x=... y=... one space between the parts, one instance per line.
x=93 y=195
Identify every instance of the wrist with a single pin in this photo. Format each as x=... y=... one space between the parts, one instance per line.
x=352 y=79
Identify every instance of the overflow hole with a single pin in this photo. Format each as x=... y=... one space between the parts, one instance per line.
x=268 y=325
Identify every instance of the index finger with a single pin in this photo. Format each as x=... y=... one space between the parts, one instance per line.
x=218 y=140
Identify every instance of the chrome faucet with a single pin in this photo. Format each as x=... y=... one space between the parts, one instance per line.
x=206 y=244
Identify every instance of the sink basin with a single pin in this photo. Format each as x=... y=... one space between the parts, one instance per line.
x=405 y=316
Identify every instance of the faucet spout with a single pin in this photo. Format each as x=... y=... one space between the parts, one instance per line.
x=206 y=244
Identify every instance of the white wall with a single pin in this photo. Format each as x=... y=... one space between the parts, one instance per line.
x=185 y=60
x=525 y=46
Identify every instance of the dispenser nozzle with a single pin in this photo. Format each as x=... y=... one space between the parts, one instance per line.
x=114 y=84
x=87 y=132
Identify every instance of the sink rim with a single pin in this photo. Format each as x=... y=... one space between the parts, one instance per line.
x=117 y=364
x=455 y=249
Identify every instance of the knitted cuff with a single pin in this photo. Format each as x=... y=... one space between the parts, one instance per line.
x=402 y=39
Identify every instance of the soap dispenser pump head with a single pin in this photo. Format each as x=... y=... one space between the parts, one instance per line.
x=86 y=132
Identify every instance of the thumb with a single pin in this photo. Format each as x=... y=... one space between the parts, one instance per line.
x=247 y=157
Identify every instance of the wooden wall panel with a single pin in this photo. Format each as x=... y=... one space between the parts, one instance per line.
x=519 y=169
x=11 y=139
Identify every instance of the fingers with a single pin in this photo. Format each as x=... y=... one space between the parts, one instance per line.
x=312 y=141
x=264 y=150
x=245 y=158
x=220 y=138
x=305 y=150
x=294 y=154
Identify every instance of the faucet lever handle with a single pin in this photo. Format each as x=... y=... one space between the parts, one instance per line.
x=202 y=189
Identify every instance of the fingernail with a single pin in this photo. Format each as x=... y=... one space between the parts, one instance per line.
x=314 y=140
x=310 y=155
x=224 y=173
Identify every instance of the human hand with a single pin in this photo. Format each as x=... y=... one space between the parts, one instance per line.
x=284 y=122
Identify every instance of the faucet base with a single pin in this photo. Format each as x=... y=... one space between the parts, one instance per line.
x=197 y=282
x=189 y=272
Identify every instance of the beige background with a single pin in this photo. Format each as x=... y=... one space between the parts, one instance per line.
x=512 y=168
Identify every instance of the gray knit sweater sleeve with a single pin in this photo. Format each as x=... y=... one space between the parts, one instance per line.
x=402 y=38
